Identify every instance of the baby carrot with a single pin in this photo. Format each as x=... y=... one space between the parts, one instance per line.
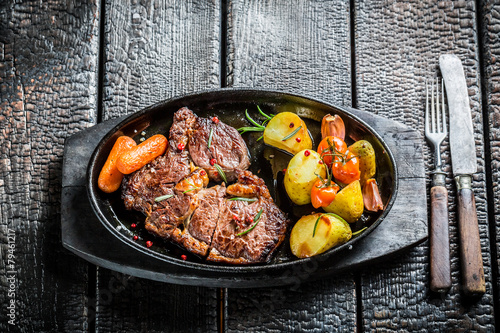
x=140 y=155
x=110 y=178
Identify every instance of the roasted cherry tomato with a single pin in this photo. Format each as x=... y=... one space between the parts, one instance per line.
x=322 y=194
x=346 y=169
x=329 y=146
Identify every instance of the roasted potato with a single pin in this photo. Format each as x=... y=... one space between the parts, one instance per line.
x=366 y=156
x=279 y=129
x=330 y=231
x=301 y=174
x=348 y=203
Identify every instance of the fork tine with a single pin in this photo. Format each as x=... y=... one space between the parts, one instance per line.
x=427 y=127
x=438 y=109
x=433 y=112
x=445 y=130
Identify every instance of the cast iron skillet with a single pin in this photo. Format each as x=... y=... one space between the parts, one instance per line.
x=230 y=105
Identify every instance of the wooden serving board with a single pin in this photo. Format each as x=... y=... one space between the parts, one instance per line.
x=404 y=226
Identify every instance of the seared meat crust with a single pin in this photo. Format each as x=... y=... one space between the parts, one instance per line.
x=204 y=220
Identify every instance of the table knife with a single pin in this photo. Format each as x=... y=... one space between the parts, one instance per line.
x=463 y=160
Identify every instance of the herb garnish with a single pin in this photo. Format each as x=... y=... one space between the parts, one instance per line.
x=292 y=134
x=243 y=199
x=257 y=127
x=359 y=231
x=210 y=137
x=190 y=182
x=331 y=214
x=256 y=219
x=163 y=197
x=221 y=172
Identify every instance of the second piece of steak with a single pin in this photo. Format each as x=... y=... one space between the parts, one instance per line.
x=230 y=243
x=227 y=148
x=169 y=221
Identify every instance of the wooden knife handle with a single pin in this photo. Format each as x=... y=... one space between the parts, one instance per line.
x=470 y=244
x=440 y=278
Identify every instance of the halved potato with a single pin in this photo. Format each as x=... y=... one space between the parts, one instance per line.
x=301 y=174
x=348 y=203
x=330 y=231
x=282 y=126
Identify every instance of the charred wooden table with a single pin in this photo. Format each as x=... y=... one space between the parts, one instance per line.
x=68 y=65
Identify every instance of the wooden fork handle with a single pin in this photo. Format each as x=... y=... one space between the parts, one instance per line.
x=440 y=278
x=470 y=244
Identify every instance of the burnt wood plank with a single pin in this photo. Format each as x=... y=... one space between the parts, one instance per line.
x=158 y=49
x=48 y=75
x=489 y=18
x=155 y=50
x=397 y=48
x=300 y=47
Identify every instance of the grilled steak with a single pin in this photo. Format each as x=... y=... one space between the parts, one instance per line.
x=227 y=148
x=159 y=177
x=236 y=217
x=170 y=220
x=204 y=220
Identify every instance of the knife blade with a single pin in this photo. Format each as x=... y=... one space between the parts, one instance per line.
x=464 y=164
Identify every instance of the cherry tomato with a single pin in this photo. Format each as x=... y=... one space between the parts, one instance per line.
x=325 y=151
x=346 y=169
x=322 y=195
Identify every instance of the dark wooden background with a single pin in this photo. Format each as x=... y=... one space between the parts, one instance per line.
x=67 y=65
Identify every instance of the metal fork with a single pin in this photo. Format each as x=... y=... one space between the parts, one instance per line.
x=435 y=132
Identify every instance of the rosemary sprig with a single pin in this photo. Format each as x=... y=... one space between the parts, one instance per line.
x=221 y=172
x=292 y=134
x=257 y=127
x=163 y=197
x=253 y=121
x=317 y=221
x=210 y=137
x=243 y=199
x=190 y=182
x=262 y=113
x=256 y=220
x=359 y=231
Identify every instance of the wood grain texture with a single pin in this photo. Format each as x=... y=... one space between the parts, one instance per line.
x=300 y=47
x=294 y=46
x=439 y=241
x=490 y=23
x=397 y=48
x=155 y=50
x=470 y=245
x=48 y=75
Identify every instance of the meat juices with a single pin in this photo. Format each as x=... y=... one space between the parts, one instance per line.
x=204 y=220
